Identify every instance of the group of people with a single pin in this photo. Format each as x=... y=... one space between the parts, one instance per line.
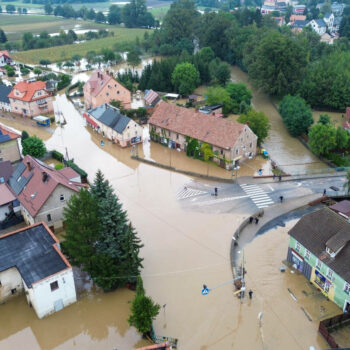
x=251 y=219
x=279 y=177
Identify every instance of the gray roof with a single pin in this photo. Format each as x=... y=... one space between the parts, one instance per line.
x=320 y=22
x=4 y=92
x=299 y=24
x=18 y=182
x=111 y=117
x=6 y=169
x=32 y=252
x=327 y=15
x=316 y=229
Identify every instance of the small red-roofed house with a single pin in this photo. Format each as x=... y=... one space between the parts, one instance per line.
x=5 y=58
x=31 y=99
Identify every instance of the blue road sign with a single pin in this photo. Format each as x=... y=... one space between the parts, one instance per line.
x=102 y=143
x=205 y=291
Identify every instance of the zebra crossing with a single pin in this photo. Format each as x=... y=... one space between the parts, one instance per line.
x=260 y=198
x=189 y=192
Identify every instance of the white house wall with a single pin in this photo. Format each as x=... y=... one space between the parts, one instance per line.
x=10 y=279
x=43 y=299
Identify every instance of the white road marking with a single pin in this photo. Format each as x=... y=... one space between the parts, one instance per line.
x=260 y=198
x=189 y=192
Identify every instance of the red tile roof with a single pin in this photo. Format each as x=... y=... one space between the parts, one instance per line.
x=206 y=128
x=69 y=173
x=99 y=80
x=6 y=196
x=36 y=192
x=29 y=88
x=4 y=53
x=7 y=131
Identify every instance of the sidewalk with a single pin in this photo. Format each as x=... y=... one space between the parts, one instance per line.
x=246 y=232
x=267 y=180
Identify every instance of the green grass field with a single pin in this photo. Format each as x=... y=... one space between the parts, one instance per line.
x=15 y=26
x=159 y=12
x=65 y=52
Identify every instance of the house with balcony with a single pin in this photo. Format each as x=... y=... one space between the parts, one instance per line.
x=9 y=145
x=102 y=88
x=31 y=98
x=43 y=191
x=319 y=247
x=328 y=18
x=31 y=262
x=118 y=128
x=180 y=128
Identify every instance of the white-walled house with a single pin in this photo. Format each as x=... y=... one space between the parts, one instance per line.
x=109 y=122
x=31 y=262
x=318 y=25
x=329 y=20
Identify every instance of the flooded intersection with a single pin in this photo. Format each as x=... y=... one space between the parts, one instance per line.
x=183 y=250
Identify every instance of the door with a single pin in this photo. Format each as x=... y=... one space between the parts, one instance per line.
x=347 y=307
x=58 y=305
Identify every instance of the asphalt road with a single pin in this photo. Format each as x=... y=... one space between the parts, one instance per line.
x=243 y=198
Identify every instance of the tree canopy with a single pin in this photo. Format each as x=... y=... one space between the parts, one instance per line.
x=258 y=123
x=33 y=146
x=296 y=114
x=185 y=78
x=322 y=139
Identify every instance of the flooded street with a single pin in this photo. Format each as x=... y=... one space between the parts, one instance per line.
x=288 y=152
x=183 y=250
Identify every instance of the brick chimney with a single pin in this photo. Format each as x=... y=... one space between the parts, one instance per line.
x=29 y=166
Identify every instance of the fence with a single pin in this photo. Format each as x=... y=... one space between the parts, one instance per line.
x=326 y=327
x=320 y=171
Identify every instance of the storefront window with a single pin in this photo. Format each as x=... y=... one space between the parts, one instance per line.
x=321 y=281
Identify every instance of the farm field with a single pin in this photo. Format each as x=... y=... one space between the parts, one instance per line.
x=16 y=25
x=65 y=52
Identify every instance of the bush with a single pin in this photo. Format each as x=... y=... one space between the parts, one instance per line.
x=81 y=172
x=59 y=166
x=338 y=160
x=57 y=155
x=52 y=119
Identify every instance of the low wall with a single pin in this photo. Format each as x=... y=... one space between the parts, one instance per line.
x=185 y=172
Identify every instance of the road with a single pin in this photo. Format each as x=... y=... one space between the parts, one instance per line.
x=248 y=198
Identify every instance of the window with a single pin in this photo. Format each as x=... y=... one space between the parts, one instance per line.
x=346 y=288
x=236 y=151
x=307 y=254
x=13 y=291
x=221 y=152
x=298 y=247
x=318 y=265
x=330 y=274
x=54 y=286
x=62 y=197
x=177 y=136
x=250 y=145
x=118 y=92
x=48 y=217
x=107 y=93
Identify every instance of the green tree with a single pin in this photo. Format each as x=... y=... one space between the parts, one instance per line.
x=342 y=138
x=218 y=95
x=322 y=139
x=239 y=93
x=48 y=8
x=100 y=17
x=114 y=15
x=82 y=224
x=3 y=37
x=133 y=58
x=10 y=8
x=25 y=135
x=37 y=71
x=34 y=147
x=143 y=310
x=258 y=123
x=324 y=119
x=277 y=63
x=296 y=114
x=185 y=78
x=45 y=62
x=221 y=73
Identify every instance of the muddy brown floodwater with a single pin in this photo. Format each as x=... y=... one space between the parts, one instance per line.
x=182 y=251
x=285 y=150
